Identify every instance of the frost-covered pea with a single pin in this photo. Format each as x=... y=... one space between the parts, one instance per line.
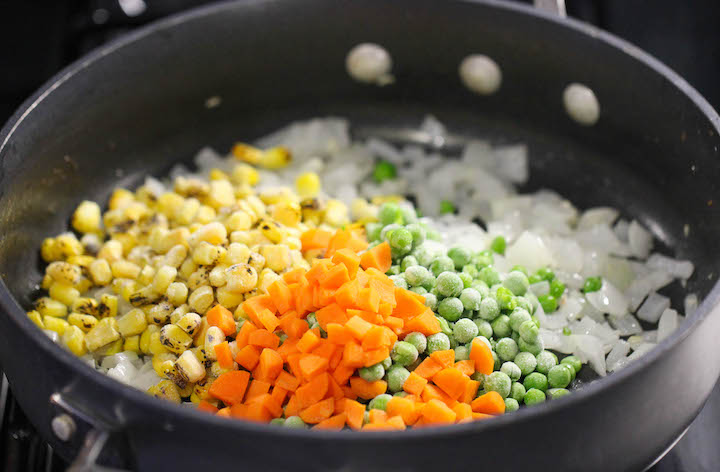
x=536 y=380
x=529 y=331
x=572 y=361
x=471 y=299
x=490 y=276
x=407 y=262
x=534 y=396
x=511 y=405
x=533 y=348
x=396 y=377
x=518 y=317
x=465 y=330
x=403 y=353
x=517 y=391
x=441 y=264
x=506 y=349
x=387 y=229
x=449 y=284
x=438 y=342
x=419 y=290
x=498 y=382
x=401 y=240
x=525 y=304
x=294 y=422
x=504 y=298
x=445 y=327
x=546 y=360
x=419 y=234
x=466 y=279
x=489 y=309
x=558 y=376
x=483 y=259
x=555 y=393
x=511 y=369
x=418 y=340
x=399 y=281
x=462 y=353
x=372 y=231
x=484 y=328
x=471 y=270
x=460 y=256
x=379 y=402
x=516 y=282
x=501 y=326
x=386 y=363
x=450 y=308
x=431 y=301
x=526 y=361
x=481 y=287
x=372 y=373
x=417 y=275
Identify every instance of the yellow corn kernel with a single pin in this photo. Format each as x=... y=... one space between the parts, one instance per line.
x=144 y=296
x=201 y=333
x=256 y=261
x=126 y=240
x=83 y=285
x=135 y=211
x=267 y=277
x=187 y=268
x=271 y=230
x=177 y=293
x=49 y=307
x=205 y=254
x=120 y=198
x=245 y=152
x=82 y=261
x=307 y=184
x=239 y=221
x=159 y=314
x=174 y=338
x=162 y=362
x=240 y=314
x=36 y=318
x=156 y=346
x=86 y=218
x=165 y=390
x=190 y=323
x=58 y=325
x=100 y=272
x=112 y=348
x=146 y=276
x=68 y=245
x=185 y=213
x=275 y=158
x=63 y=272
x=82 y=321
x=199 y=278
x=132 y=343
x=49 y=250
x=218 y=276
x=293 y=243
x=243 y=174
x=217 y=371
x=74 y=339
x=217 y=174
x=108 y=305
x=277 y=256
x=179 y=379
x=336 y=213
x=241 y=278
x=213 y=337
x=189 y=367
x=111 y=251
x=104 y=333
x=131 y=323
x=205 y=215
x=115 y=220
x=221 y=194
x=168 y=203
x=164 y=276
x=63 y=293
x=201 y=391
x=86 y=306
x=175 y=256
x=178 y=313
x=201 y=299
x=145 y=338
x=213 y=233
x=191 y=186
x=237 y=253
x=47 y=281
x=125 y=269
x=227 y=298
x=287 y=213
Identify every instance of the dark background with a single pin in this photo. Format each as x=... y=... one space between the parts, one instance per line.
x=39 y=37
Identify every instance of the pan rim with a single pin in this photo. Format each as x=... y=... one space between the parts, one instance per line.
x=17 y=315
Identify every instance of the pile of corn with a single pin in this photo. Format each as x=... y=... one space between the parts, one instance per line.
x=143 y=275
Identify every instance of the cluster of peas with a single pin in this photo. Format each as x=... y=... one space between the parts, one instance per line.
x=471 y=299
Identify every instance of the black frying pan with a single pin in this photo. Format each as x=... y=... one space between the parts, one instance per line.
x=137 y=106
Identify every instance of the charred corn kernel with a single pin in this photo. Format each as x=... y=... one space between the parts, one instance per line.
x=205 y=214
x=111 y=349
x=201 y=299
x=111 y=251
x=256 y=261
x=275 y=158
x=221 y=194
x=241 y=278
x=227 y=298
x=267 y=277
x=74 y=339
x=156 y=346
x=104 y=333
x=159 y=314
x=312 y=211
x=114 y=221
x=63 y=272
x=199 y=278
x=86 y=218
x=145 y=338
x=185 y=213
x=68 y=245
x=142 y=257
x=199 y=353
x=178 y=313
x=201 y=391
x=277 y=256
x=189 y=367
x=91 y=242
x=124 y=269
x=239 y=221
x=213 y=233
x=168 y=203
x=175 y=256
x=131 y=323
x=307 y=184
x=187 y=268
x=86 y=306
x=165 y=390
x=174 y=338
x=245 y=152
x=49 y=250
x=201 y=333
x=48 y=307
x=132 y=343
x=144 y=296
x=213 y=337
x=120 y=198
x=271 y=230
x=287 y=213
x=63 y=293
x=147 y=274
x=47 y=281
x=188 y=389
x=100 y=272
x=36 y=318
x=57 y=325
x=243 y=174
x=82 y=321
x=218 y=276
x=217 y=371
x=164 y=276
x=163 y=362
x=237 y=254
x=108 y=305
x=205 y=254
x=190 y=323
x=190 y=186
x=177 y=293
x=336 y=213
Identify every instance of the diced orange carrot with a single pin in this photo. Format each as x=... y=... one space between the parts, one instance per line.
x=334 y=390
x=481 y=416
x=425 y=323
x=224 y=355
x=304 y=299
x=281 y=296
x=370 y=317
x=358 y=327
x=269 y=320
x=444 y=358
x=334 y=277
x=399 y=406
x=377 y=337
x=367 y=390
x=463 y=411
x=385 y=287
x=362 y=278
x=244 y=334
x=264 y=338
x=311 y=365
x=338 y=334
x=395 y=422
x=296 y=328
x=336 y=422
x=346 y=296
x=258 y=412
x=482 y=355
x=287 y=381
x=432 y=392
x=222 y=318
x=338 y=240
x=317 y=270
x=349 y=259
x=368 y=299
x=336 y=357
x=248 y=357
x=436 y=412
x=353 y=355
x=207 y=406
x=294 y=275
x=257 y=387
x=325 y=349
x=395 y=324
x=471 y=388
x=293 y=406
x=451 y=381
x=330 y=314
x=384 y=309
x=293 y=361
x=342 y=373
x=355 y=413
x=313 y=391
x=227 y=411
x=308 y=342
x=357 y=242
x=254 y=305
x=414 y=384
x=408 y=306
x=375 y=356
x=278 y=395
x=467 y=367
x=491 y=403
x=230 y=387
x=428 y=368
x=377 y=416
x=269 y=367
x=378 y=257
x=315 y=239
x=318 y=412
x=287 y=348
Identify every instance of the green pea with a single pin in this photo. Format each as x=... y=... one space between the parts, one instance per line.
x=419 y=290
x=536 y=380
x=389 y=213
x=517 y=391
x=446 y=207
x=471 y=299
x=393 y=270
x=462 y=353
x=504 y=298
x=372 y=373
x=466 y=279
x=533 y=348
x=512 y=370
x=399 y=281
x=566 y=331
x=400 y=239
x=449 y=284
x=400 y=394
x=450 y=308
x=506 y=349
x=489 y=309
x=396 y=378
x=409 y=215
x=525 y=304
x=403 y=353
x=384 y=170
x=501 y=326
x=442 y=264
x=534 y=396
x=592 y=284
x=471 y=270
x=545 y=362
x=498 y=382
x=419 y=234
x=498 y=245
x=366 y=417
x=478 y=377
x=511 y=405
x=483 y=259
x=385 y=233
x=490 y=276
x=529 y=331
x=534 y=278
x=484 y=328
x=545 y=274
x=372 y=230
x=496 y=360
x=417 y=275
x=559 y=377
x=277 y=421
x=555 y=393
x=481 y=287
x=519 y=268
x=461 y=256
x=445 y=327
x=573 y=362
x=418 y=340
x=464 y=330
x=294 y=422
x=518 y=317
x=557 y=288
x=516 y=282
x=386 y=363
x=431 y=301
x=526 y=361
x=379 y=402
x=548 y=302
x=438 y=342
x=408 y=261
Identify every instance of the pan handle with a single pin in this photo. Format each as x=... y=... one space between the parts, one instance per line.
x=92 y=447
x=552 y=6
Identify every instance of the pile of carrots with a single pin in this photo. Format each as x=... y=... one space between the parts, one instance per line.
x=314 y=377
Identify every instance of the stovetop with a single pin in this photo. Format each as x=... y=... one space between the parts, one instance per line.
x=682 y=34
